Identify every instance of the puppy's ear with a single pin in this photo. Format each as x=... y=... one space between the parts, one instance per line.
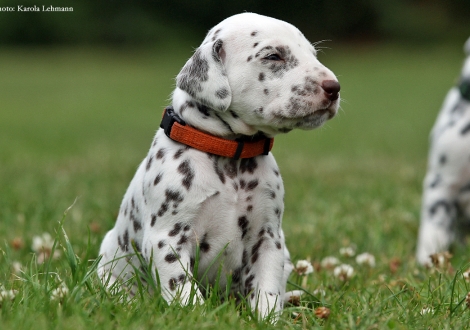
x=466 y=47
x=204 y=77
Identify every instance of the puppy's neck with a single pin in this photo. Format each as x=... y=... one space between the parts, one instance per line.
x=226 y=124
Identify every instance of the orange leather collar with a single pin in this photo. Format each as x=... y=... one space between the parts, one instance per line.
x=176 y=129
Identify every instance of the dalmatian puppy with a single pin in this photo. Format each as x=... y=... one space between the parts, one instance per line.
x=445 y=210
x=191 y=214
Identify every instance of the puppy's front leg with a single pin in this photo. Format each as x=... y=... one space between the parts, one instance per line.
x=170 y=254
x=265 y=281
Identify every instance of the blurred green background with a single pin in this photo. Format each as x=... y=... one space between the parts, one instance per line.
x=81 y=95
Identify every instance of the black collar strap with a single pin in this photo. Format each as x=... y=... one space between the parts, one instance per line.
x=464 y=88
x=176 y=129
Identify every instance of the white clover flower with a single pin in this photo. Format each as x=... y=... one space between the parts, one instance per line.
x=17 y=267
x=319 y=292
x=42 y=245
x=344 y=272
x=426 y=310
x=7 y=294
x=466 y=275
x=347 y=251
x=366 y=259
x=60 y=292
x=329 y=262
x=303 y=267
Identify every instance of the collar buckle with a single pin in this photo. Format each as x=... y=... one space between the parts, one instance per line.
x=169 y=118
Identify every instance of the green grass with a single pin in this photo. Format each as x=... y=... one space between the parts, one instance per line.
x=75 y=123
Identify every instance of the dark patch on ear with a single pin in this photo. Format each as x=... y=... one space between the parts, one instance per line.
x=193 y=74
x=222 y=93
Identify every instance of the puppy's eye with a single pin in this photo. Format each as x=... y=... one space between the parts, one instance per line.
x=273 y=57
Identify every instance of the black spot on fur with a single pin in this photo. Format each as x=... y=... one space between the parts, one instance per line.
x=261 y=76
x=186 y=228
x=255 y=44
x=183 y=239
x=231 y=169
x=236 y=275
x=161 y=244
x=266 y=91
x=137 y=225
x=252 y=185
x=157 y=179
x=204 y=246
x=436 y=181
x=249 y=58
x=243 y=224
x=244 y=258
x=171 y=258
x=163 y=209
x=160 y=153
x=442 y=159
x=440 y=203
x=149 y=163
x=219 y=173
x=466 y=129
x=248 y=165
x=172 y=283
x=249 y=283
x=249 y=208
x=254 y=33
x=176 y=229
x=242 y=184
x=255 y=250
x=272 y=194
x=154 y=220
x=180 y=152
x=278 y=245
x=185 y=169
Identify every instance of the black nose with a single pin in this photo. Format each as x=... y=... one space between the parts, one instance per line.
x=331 y=88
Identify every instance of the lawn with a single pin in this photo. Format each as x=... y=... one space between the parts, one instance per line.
x=76 y=122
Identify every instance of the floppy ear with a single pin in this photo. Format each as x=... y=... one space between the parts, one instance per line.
x=204 y=77
x=466 y=47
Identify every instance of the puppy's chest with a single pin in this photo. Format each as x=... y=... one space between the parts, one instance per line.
x=216 y=196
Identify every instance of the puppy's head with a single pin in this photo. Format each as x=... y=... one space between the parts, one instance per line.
x=265 y=72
